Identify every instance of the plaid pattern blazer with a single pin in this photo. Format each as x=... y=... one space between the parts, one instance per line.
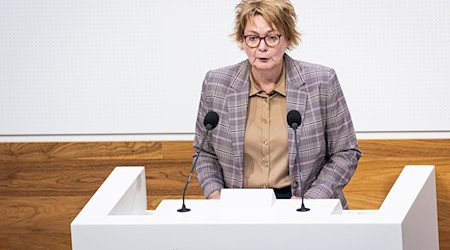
x=328 y=147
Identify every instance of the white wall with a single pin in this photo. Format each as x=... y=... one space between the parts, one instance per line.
x=134 y=68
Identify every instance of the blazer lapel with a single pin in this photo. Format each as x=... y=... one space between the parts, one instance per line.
x=237 y=99
x=296 y=98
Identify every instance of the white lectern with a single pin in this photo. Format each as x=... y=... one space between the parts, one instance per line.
x=116 y=217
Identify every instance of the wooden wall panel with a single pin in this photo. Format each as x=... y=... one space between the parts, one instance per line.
x=43 y=186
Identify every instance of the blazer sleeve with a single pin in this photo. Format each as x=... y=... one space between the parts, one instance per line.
x=341 y=143
x=209 y=172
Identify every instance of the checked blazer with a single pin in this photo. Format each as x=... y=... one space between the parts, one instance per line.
x=328 y=149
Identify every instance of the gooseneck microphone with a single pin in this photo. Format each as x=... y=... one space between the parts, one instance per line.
x=294 y=119
x=211 y=120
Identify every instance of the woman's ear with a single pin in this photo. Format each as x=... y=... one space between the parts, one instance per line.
x=241 y=44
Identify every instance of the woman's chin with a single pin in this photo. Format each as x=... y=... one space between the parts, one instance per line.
x=263 y=66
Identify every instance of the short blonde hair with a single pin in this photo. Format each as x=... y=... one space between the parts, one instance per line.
x=277 y=13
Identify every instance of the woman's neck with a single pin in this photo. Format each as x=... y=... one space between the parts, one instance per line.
x=267 y=79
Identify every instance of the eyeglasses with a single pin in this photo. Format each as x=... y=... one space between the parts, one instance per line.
x=253 y=41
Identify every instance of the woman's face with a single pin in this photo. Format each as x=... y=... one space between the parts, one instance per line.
x=264 y=57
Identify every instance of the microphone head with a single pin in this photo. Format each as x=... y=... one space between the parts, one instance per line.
x=211 y=120
x=294 y=119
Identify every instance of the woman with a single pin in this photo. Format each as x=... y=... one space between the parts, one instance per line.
x=252 y=146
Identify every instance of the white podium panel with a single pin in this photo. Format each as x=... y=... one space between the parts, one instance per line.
x=116 y=217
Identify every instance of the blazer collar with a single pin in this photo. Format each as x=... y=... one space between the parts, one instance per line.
x=294 y=72
x=241 y=81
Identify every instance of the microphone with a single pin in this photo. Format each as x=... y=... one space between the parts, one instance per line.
x=211 y=120
x=294 y=119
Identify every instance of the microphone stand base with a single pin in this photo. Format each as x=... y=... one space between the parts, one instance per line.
x=183 y=209
x=303 y=208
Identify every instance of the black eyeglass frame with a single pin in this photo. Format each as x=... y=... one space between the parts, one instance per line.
x=261 y=38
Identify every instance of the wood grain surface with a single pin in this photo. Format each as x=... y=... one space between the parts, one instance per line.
x=43 y=186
